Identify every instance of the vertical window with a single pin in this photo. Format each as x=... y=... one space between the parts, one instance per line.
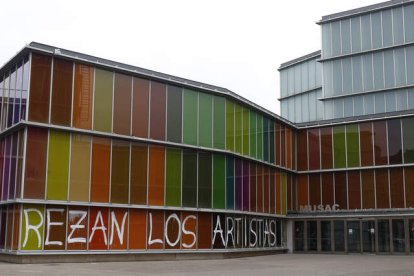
x=380 y=143
x=238 y=184
x=354 y=190
x=80 y=167
x=39 y=88
x=341 y=197
x=253 y=132
x=238 y=129
x=57 y=215
x=98 y=241
x=58 y=165
x=368 y=189
x=156 y=175
x=246 y=131
x=122 y=104
x=140 y=108
x=219 y=130
x=409 y=186
x=157 y=111
x=120 y=172
x=366 y=144
x=190 y=116
x=101 y=158
x=204 y=179
x=314 y=149
x=34 y=219
x=137 y=229
x=219 y=175
x=397 y=188
x=352 y=145
x=339 y=147
x=139 y=170
x=173 y=177
x=246 y=186
x=303 y=190
x=265 y=139
x=327 y=189
x=259 y=131
x=253 y=192
x=36 y=154
x=229 y=182
x=314 y=189
x=82 y=96
x=189 y=178
x=394 y=141
x=382 y=192
x=408 y=138
x=102 y=113
x=326 y=150
x=205 y=119
x=174 y=114
x=62 y=92
x=302 y=150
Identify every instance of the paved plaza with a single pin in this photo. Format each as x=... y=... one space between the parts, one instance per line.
x=296 y=264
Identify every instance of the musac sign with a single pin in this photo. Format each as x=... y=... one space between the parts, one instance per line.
x=318 y=208
x=57 y=227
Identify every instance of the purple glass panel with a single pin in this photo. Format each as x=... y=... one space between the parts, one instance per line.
x=13 y=166
x=238 y=184
x=10 y=112
x=16 y=115
x=246 y=184
x=6 y=169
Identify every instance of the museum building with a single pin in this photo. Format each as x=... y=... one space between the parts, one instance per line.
x=100 y=158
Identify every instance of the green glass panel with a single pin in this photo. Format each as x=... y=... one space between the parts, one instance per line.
x=189 y=178
x=253 y=131
x=229 y=125
x=219 y=176
x=408 y=139
x=352 y=145
x=219 y=122
x=265 y=139
x=32 y=216
x=246 y=131
x=204 y=179
x=283 y=192
x=339 y=147
x=272 y=142
x=80 y=167
x=259 y=132
x=174 y=113
x=102 y=113
x=238 y=127
x=205 y=120
x=58 y=165
x=190 y=117
x=173 y=177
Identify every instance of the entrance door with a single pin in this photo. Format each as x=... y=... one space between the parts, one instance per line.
x=299 y=236
x=354 y=243
x=326 y=239
x=312 y=235
x=368 y=236
x=339 y=235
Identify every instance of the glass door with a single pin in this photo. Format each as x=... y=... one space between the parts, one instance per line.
x=299 y=236
x=354 y=243
x=339 y=235
x=312 y=235
x=383 y=236
x=368 y=236
x=398 y=235
x=326 y=239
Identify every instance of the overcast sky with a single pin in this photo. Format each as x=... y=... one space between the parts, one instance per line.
x=235 y=44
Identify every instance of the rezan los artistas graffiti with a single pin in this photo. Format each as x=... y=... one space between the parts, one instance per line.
x=99 y=228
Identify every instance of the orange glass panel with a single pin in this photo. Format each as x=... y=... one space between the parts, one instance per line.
x=340 y=190
x=157 y=111
x=259 y=188
x=122 y=104
x=288 y=148
x=82 y=97
x=16 y=224
x=120 y=172
x=327 y=189
x=302 y=190
x=98 y=228
x=314 y=189
x=278 y=195
x=155 y=229
x=302 y=147
x=172 y=231
x=326 y=147
x=101 y=154
x=137 y=229
x=354 y=190
x=55 y=230
x=266 y=190
x=118 y=219
x=77 y=228
x=409 y=187
x=36 y=153
x=382 y=193
x=62 y=92
x=204 y=231
x=156 y=175
x=40 y=88
x=189 y=223
x=365 y=137
x=368 y=189
x=139 y=158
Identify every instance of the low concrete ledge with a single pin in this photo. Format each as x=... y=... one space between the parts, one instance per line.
x=132 y=257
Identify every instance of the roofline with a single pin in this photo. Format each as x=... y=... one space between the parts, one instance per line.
x=137 y=71
x=363 y=10
x=299 y=60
